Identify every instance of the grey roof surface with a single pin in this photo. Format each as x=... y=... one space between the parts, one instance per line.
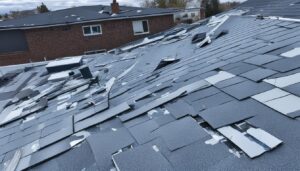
x=232 y=104
x=281 y=8
x=80 y=15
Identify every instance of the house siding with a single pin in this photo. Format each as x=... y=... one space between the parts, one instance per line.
x=54 y=42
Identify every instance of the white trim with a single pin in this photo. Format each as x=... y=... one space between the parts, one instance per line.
x=2 y=28
x=91 y=29
x=283 y=19
x=136 y=34
x=91 y=52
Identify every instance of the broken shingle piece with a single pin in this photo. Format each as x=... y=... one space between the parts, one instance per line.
x=284 y=81
x=96 y=119
x=293 y=89
x=91 y=111
x=264 y=137
x=262 y=59
x=66 y=131
x=294 y=114
x=201 y=94
x=180 y=109
x=64 y=64
x=143 y=132
x=250 y=147
x=285 y=105
x=151 y=105
x=180 y=133
x=105 y=144
x=44 y=154
x=211 y=101
x=270 y=95
x=221 y=76
x=280 y=101
x=141 y=158
x=227 y=113
x=258 y=74
x=292 y=53
x=246 y=89
x=284 y=65
x=231 y=81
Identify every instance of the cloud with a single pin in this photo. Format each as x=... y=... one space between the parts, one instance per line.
x=13 y=5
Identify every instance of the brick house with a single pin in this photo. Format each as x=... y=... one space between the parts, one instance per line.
x=78 y=31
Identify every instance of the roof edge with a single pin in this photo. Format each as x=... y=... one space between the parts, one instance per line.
x=82 y=22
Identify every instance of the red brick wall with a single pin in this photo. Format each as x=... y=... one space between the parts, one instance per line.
x=55 y=42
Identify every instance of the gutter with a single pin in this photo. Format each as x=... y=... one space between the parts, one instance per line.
x=82 y=22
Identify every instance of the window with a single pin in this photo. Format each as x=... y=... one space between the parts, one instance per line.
x=140 y=27
x=91 y=30
x=193 y=14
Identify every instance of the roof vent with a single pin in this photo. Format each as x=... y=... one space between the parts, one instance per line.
x=85 y=72
x=260 y=17
x=198 y=38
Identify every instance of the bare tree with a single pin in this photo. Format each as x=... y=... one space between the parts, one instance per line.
x=42 y=8
x=228 y=5
x=148 y=4
x=165 y=3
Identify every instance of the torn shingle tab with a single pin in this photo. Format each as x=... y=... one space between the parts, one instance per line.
x=135 y=159
x=284 y=81
x=292 y=53
x=188 y=129
x=64 y=64
x=264 y=137
x=96 y=119
x=258 y=74
x=221 y=76
x=227 y=114
x=251 y=148
x=246 y=89
x=280 y=101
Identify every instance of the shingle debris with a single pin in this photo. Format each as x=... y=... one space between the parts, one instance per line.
x=162 y=103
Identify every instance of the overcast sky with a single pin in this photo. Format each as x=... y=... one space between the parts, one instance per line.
x=10 y=5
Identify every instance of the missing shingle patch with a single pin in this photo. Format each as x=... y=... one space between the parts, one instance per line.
x=254 y=141
x=292 y=53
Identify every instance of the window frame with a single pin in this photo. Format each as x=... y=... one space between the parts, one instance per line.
x=91 y=29
x=136 y=34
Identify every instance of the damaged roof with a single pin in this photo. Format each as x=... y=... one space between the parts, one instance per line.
x=279 y=8
x=218 y=95
x=83 y=14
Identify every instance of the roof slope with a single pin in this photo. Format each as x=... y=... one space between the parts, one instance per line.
x=228 y=101
x=282 y=8
x=81 y=14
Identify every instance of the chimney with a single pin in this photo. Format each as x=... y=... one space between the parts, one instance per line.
x=203 y=9
x=115 y=8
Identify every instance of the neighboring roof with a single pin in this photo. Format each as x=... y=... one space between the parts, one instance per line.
x=80 y=15
x=193 y=4
x=282 y=8
x=228 y=101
